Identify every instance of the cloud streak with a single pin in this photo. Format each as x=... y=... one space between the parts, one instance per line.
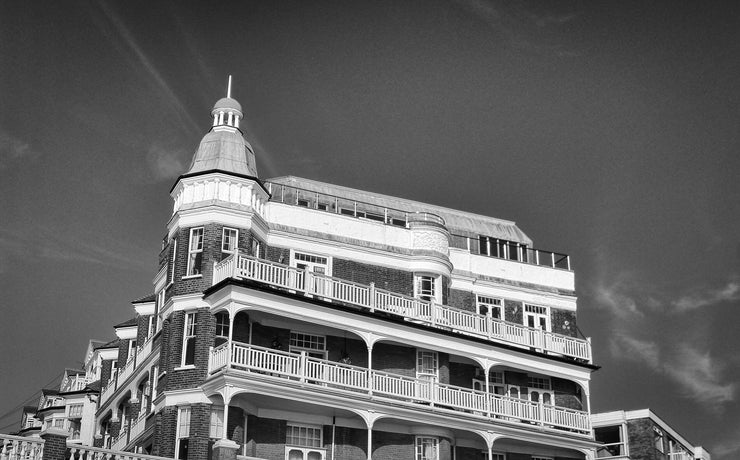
x=697 y=373
x=13 y=148
x=709 y=297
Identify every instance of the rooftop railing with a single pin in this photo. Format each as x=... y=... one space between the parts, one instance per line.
x=402 y=389
x=465 y=322
x=17 y=447
x=509 y=250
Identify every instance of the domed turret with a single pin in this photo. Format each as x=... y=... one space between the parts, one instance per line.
x=224 y=148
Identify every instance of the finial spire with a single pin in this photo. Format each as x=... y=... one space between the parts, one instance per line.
x=228 y=91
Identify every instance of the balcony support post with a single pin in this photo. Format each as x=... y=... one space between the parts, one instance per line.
x=371 y=294
x=230 y=343
x=488 y=392
x=369 y=442
x=370 y=369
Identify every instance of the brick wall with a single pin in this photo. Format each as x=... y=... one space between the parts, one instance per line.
x=462 y=375
x=563 y=322
x=356 y=350
x=122 y=352
x=469 y=453
x=105 y=371
x=567 y=394
x=165 y=432
x=266 y=438
x=241 y=327
x=205 y=330
x=142 y=324
x=395 y=359
x=390 y=279
x=200 y=416
x=642 y=440
x=513 y=311
x=464 y=300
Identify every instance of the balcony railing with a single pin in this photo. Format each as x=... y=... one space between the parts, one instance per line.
x=120 y=376
x=409 y=308
x=680 y=456
x=96 y=453
x=335 y=204
x=406 y=390
x=17 y=447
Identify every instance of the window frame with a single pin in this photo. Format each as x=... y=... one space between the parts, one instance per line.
x=305 y=449
x=195 y=253
x=428 y=295
x=294 y=347
x=222 y=323
x=184 y=415
x=188 y=339
x=489 y=303
x=173 y=261
x=216 y=430
x=419 y=443
x=234 y=241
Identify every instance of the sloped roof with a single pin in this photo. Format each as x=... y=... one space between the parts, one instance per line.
x=112 y=344
x=127 y=323
x=224 y=150
x=146 y=299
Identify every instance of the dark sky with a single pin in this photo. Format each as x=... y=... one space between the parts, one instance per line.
x=608 y=131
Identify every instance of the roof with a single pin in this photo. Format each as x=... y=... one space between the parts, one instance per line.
x=112 y=344
x=127 y=323
x=457 y=222
x=70 y=370
x=227 y=103
x=146 y=299
x=225 y=150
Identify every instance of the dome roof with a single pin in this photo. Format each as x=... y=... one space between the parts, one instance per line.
x=226 y=151
x=227 y=103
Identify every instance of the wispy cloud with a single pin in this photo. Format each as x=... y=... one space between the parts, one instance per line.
x=124 y=40
x=65 y=247
x=709 y=297
x=696 y=372
x=165 y=163
x=727 y=448
x=521 y=27
x=13 y=148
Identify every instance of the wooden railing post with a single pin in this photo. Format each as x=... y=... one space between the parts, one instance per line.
x=371 y=294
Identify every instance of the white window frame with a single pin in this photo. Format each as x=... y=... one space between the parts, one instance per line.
x=498 y=456
x=172 y=261
x=195 y=247
x=75 y=410
x=537 y=312
x=233 y=240
x=159 y=307
x=419 y=448
x=659 y=436
x=131 y=350
x=222 y=323
x=155 y=379
x=217 y=423
x=495 y=382
x=182 y=430
x=420 y=292
x=304 y=448
x=256 y=247
x=189 y=333
x=298 y=344
x=485 y=304
x=310 y=263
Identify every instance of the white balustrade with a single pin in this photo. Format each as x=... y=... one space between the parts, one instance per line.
x=406 y=389
x=17 y=448
x=119 y=376
x=410 y=308
x=96 y=453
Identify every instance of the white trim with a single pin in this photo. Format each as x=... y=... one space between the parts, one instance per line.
x=193 y=250
x=127 y=332
x=235 y=242
x=183 y=398
x=145 y=309
x=187 y=336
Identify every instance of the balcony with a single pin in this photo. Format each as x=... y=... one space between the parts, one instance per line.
x=404 y=390
x=120 y=376
x=411 y=309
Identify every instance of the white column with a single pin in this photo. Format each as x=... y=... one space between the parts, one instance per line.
x=370 y=442
x=370 y=368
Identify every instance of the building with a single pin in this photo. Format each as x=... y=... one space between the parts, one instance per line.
x=295 y=319
x=641 y=435
x=70 y=407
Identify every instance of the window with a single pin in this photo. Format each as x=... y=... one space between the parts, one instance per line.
x=222 y=328
x=183 y=433
x=59 y=423
x=658 y=437
x=540 y=458
x=216 y=429
x=498 y=456
x=75 y=410
x=230 y=240
x=195 y=251
x=489 y=306
x=427 y=448
x=313 y=345
x=314 y=264
x=188 y=340
x=155 y=379
x=611 y=436
x=425 y=287
x=304 y=442
x=173 y=258
x=256 y=246
x=131 y=350
x=536 y=317
x=427 y=372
